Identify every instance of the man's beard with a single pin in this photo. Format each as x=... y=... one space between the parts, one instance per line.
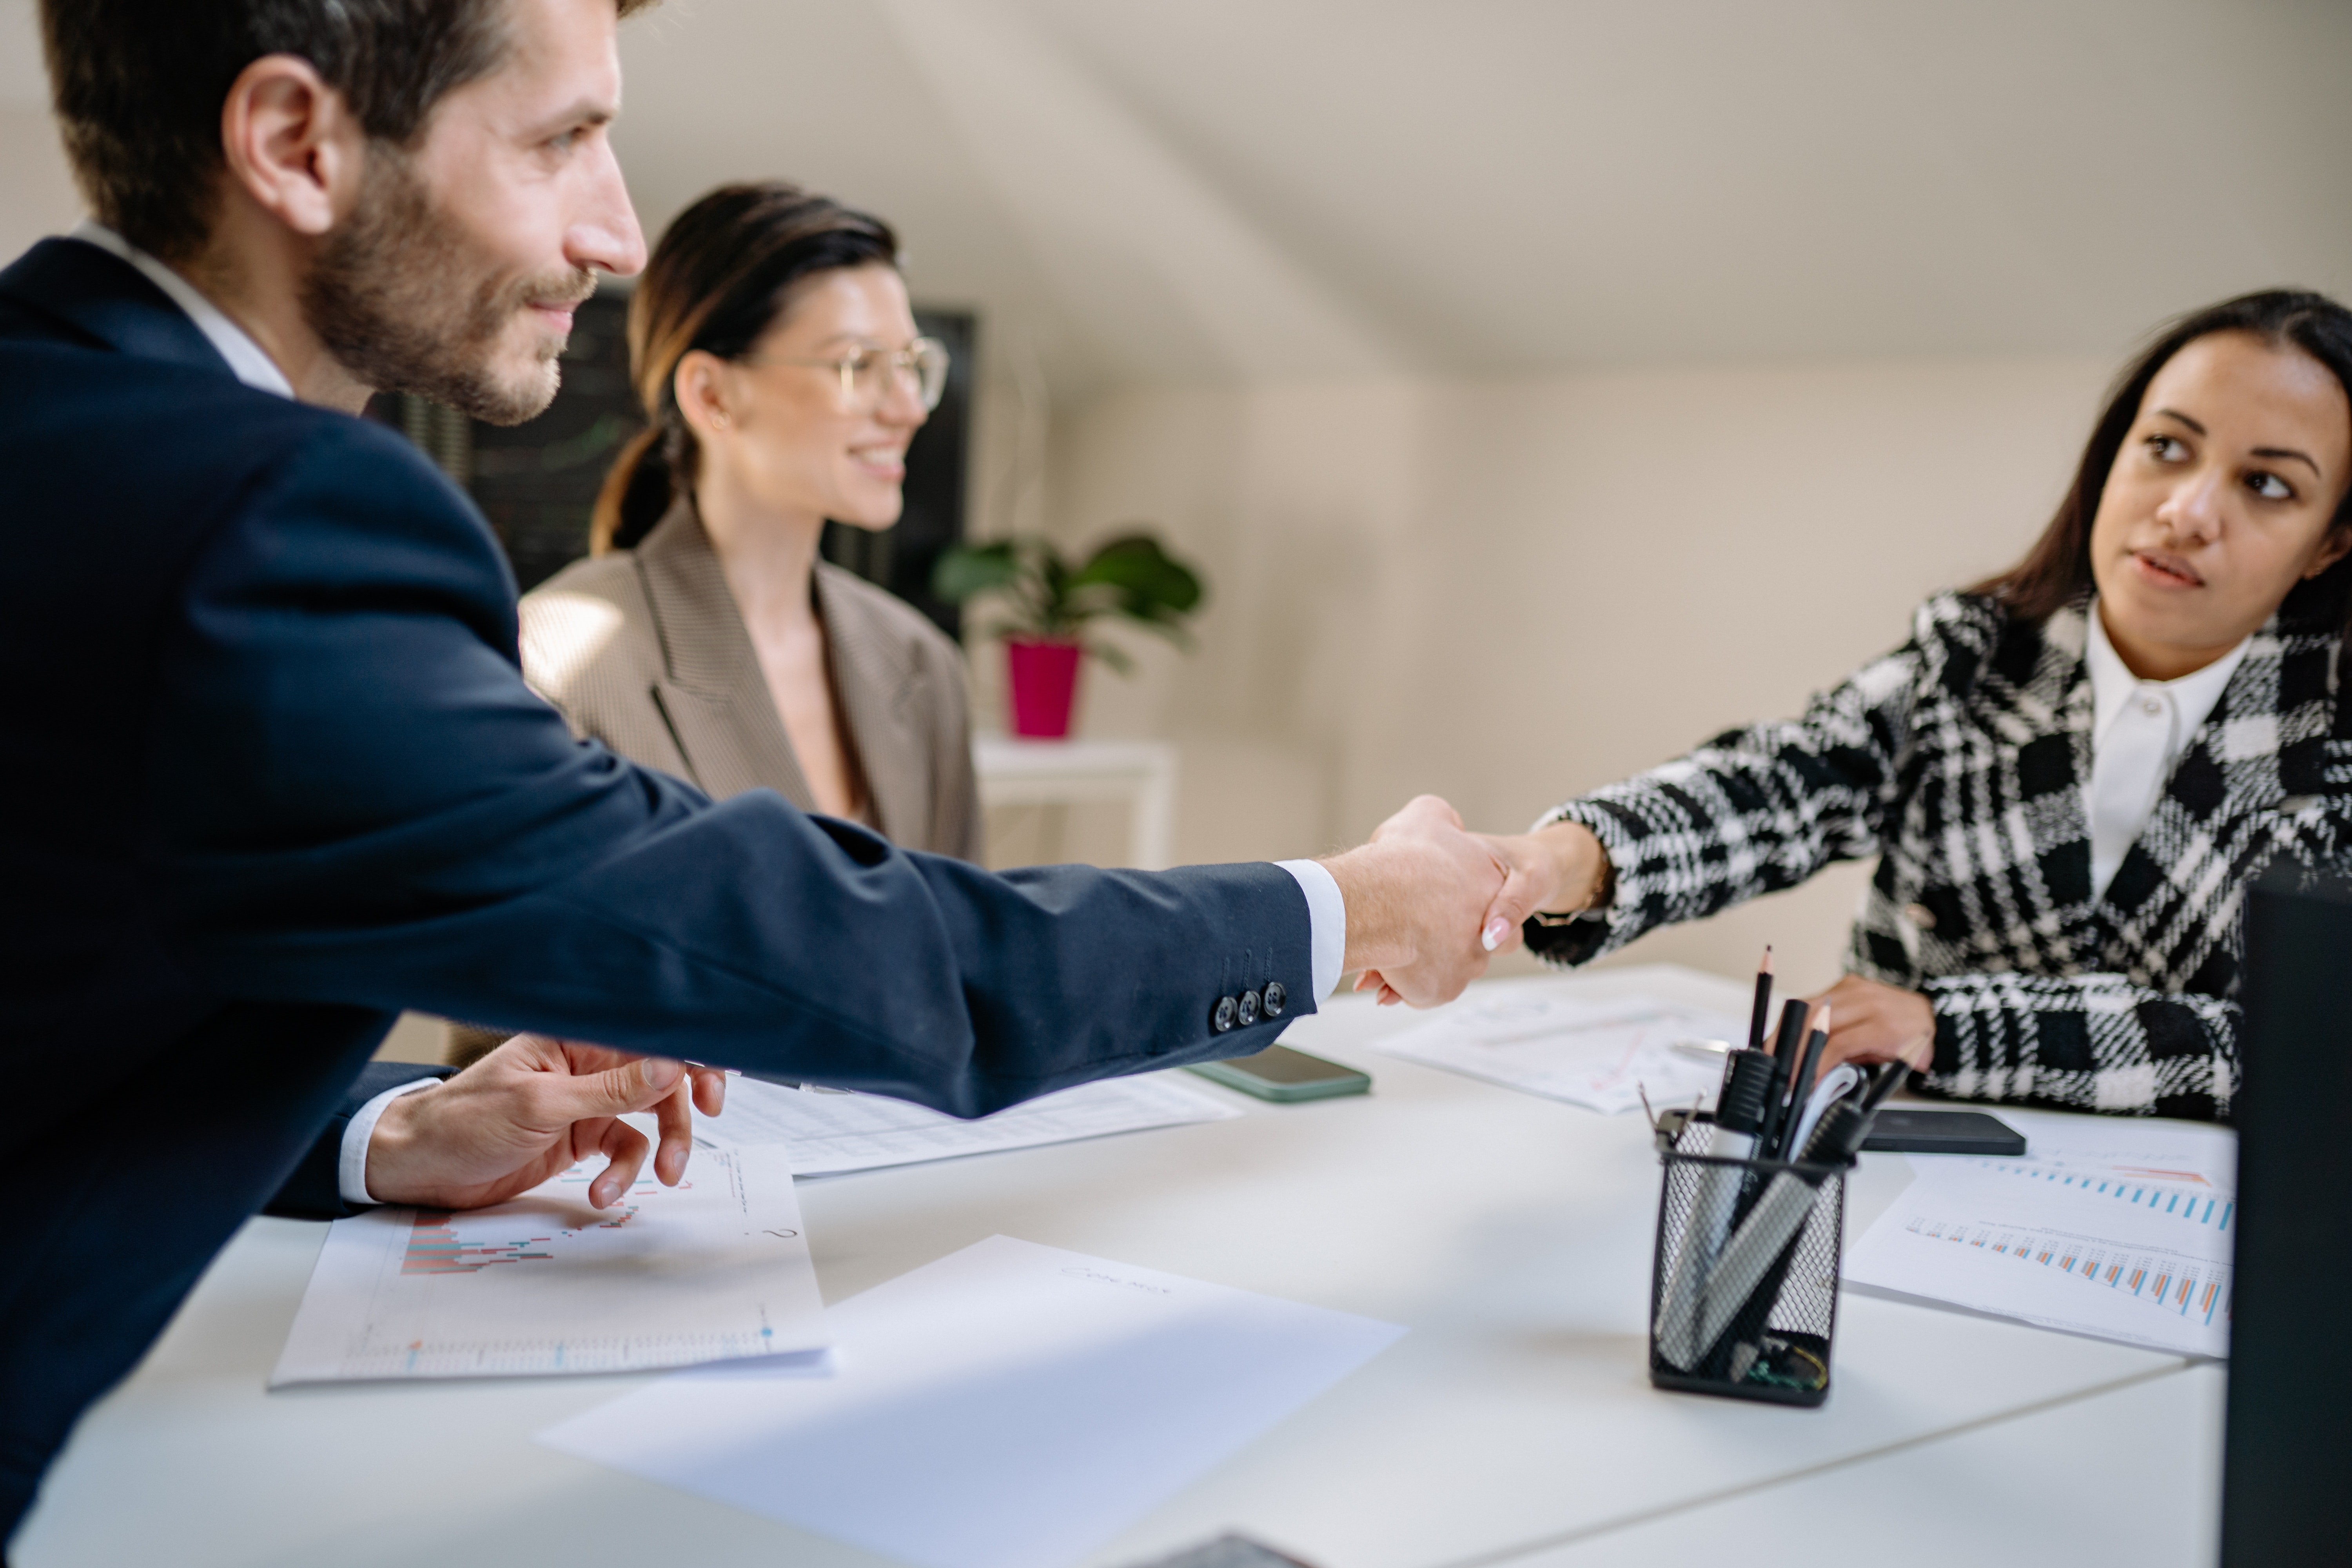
x=405 y=302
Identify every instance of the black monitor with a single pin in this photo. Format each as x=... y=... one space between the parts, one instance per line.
x=2288 y=1452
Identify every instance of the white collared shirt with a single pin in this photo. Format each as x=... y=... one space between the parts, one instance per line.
x=2139 y=730
x=245 y=357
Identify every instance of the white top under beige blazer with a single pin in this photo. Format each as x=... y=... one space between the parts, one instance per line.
x=645 y=650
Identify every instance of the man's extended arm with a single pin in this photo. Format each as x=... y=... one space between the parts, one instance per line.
x=367 y=805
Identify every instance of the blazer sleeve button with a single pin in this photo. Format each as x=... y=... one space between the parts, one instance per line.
x=1276 y=997
x=1222 y=1019
x=1248 y=1008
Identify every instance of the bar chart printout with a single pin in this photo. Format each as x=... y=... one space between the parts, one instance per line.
x=2121 y=1244
x=715 y=1269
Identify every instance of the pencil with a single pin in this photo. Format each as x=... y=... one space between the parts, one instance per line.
x=1763 y=1002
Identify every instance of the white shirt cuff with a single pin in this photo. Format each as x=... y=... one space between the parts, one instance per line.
x=350 y=1167
x=1327 y=920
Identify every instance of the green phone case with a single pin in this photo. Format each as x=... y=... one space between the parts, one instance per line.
x=1236 y=1074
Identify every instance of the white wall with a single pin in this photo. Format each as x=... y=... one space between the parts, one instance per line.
x=37 y=193
x=1507 y=591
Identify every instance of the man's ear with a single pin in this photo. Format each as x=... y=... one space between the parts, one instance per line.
x=293 y=144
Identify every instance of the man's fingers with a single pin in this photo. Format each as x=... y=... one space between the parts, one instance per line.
x=674 y=1117
x=710 y=1090
x=625 y=1147
x=632 y=1086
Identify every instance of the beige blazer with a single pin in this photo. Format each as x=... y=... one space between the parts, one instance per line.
x=646 y=651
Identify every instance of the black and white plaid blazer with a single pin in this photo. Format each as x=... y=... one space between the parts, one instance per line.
x=1959 y=761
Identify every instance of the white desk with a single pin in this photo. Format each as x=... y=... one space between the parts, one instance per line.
x=1513 y=1424
x=1143 y=774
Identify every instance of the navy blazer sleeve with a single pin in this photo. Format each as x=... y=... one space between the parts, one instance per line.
x=369 y=806
x=315 y=1190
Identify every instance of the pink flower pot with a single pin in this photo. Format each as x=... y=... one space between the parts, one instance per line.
x=1044 y=679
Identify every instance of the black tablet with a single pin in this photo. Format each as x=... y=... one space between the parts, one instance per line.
x=1899 y=1131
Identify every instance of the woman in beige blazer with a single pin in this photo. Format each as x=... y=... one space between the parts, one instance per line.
x=772 y=346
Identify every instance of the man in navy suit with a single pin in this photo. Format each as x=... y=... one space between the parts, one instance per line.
x=270 y=770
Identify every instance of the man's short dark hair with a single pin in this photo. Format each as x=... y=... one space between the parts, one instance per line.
x=138 y=86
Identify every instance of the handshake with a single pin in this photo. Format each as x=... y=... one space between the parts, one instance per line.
x=1427 y=903
x=1428 y=900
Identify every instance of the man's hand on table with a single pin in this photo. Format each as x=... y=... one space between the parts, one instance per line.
x=1415 y=896
x=529 y=1110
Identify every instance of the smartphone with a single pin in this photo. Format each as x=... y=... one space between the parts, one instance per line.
x=1899 y=1131
x=1280 y=1073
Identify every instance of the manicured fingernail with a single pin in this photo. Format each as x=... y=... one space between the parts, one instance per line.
x=660 y=1072
x=1496 y=929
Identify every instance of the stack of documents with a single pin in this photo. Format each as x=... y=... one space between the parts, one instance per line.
x=830 y=1132
x=1010 y=1405
x=2120 y=1229
x=715 y=1269
x=1537 y=1036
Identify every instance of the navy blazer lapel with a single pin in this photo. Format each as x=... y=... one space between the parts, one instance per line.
x=108 y=300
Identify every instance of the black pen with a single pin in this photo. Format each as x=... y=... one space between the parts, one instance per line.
x=1763 y=1014
x=1784 y=1061
x=1800 y=1086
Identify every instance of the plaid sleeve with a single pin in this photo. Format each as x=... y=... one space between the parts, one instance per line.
x=1753 y=810
x=2085 y=1042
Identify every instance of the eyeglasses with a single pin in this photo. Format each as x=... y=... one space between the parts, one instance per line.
x=868 y=375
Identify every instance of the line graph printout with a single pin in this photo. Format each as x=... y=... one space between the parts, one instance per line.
x=1602 y=1056
x=2121 y=1230
x=715 y=1269
x=830 y=1132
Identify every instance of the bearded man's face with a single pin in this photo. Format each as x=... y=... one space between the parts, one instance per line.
x=406 y=301
x=455 y=275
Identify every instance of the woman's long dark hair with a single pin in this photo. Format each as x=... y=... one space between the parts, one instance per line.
x=2056 y=571
x=716 y=282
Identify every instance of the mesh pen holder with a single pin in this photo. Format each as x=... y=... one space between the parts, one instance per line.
x=1743 y=1281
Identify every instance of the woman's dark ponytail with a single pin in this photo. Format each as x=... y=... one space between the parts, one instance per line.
x=715 y=283
x=637 y=491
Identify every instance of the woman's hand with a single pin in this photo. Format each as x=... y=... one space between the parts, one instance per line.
x=1873 y=1023
x=1558 y=869
x=527 y=1111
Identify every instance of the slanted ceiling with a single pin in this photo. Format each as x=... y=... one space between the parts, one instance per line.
x=1229 y=189
x=1240 y=188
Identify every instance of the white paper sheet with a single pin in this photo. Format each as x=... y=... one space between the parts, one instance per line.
x=2121 y=1229
x=713 y=1269
x=1010 y=1405
x=833 y=1132
x=1532 y=1036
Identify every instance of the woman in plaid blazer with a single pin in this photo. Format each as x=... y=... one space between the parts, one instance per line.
x=2055 y=915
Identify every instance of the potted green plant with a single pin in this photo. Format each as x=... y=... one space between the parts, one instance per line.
x=1048 y=604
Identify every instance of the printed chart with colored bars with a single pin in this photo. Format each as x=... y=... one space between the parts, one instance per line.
x=2124 y=1245
x=715 y=1269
